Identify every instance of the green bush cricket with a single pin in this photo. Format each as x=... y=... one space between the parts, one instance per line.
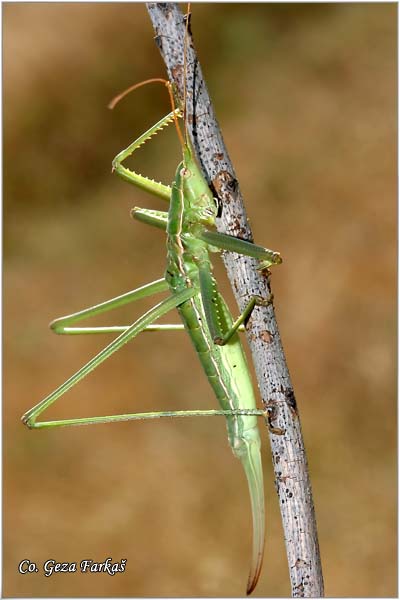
x=206 y=318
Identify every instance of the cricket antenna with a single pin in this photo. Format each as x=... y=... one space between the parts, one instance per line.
x=168 y=85
x=185 y=48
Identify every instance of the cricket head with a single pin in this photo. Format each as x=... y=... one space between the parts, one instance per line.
x=199 y=205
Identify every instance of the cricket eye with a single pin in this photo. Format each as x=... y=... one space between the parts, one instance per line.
x=185 y=172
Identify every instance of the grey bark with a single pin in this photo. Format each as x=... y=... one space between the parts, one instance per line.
x=288 y=452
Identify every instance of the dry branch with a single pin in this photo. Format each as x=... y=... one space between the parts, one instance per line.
x=288 y=453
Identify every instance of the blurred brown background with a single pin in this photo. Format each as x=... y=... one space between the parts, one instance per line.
x=306 y=98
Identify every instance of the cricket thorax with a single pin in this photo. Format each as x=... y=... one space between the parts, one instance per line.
x=185 y=252
x=199 y=205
